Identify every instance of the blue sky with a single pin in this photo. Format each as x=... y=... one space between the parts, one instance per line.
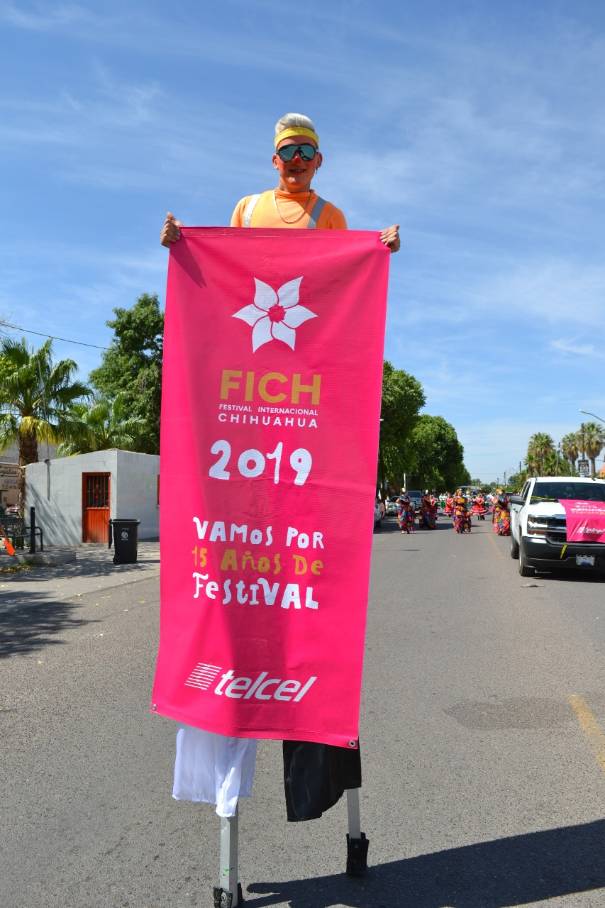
x=479 y=127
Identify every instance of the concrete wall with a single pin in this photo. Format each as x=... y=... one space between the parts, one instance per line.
x=9 y=493
x=136 y=487
x=55 y=490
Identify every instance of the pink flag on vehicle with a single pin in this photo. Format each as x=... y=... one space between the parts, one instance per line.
x=585 y=520
x=269 y=439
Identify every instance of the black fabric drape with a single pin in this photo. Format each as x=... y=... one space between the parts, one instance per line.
x=316 y=775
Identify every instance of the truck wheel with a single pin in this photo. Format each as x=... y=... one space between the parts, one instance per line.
x=514 y=547
x=524 y=569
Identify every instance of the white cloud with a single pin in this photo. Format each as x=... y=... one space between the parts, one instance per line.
x=552 y=290
x=493 y=446
x=577 y=349
x=42 y=17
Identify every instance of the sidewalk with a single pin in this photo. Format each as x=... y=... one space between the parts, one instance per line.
x=92 y=570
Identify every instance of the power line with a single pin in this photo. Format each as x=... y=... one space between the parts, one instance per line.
x=51 y=336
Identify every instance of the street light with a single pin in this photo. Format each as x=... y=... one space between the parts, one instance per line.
x=588 y=413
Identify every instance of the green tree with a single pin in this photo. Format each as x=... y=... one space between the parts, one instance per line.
x=540 y=447
x=402 y=398
x=593 y=441
x=570 y=446
x=133 y=367
x=100 y=425
x=36 y=396
x=555 y=464
x=437 y=455
x=516 y=480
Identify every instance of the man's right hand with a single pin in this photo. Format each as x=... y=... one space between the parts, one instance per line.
x=170 y=230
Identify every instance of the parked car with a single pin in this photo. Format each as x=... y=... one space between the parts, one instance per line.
x=539 y=525
x=391 y=507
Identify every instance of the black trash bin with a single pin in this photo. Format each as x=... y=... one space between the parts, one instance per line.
x=124 y=533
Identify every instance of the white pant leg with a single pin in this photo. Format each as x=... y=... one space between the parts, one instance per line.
x=214 y=769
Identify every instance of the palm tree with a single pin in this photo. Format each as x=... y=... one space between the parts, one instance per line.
x=100 y=425
x=554 y=464
x=593 y=442
x=531 y=463
x=539 y=448
x=35 y=399
x=570 y=446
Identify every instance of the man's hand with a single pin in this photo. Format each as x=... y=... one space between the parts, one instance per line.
x=170 y=230
x=390 y=237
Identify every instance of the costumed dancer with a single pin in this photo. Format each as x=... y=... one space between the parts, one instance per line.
x=399 y=506
x=462 y=518
x=478 y=507
x=501 y=515
x=405 y=514
x=428 y=511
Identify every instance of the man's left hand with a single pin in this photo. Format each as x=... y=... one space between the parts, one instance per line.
x=390 y=237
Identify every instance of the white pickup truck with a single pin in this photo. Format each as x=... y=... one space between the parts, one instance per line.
x=538 y=530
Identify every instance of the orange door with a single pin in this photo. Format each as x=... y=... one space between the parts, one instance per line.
x=95 y=507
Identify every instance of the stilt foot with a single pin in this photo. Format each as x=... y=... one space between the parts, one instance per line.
x=224 y=899
x=357 y=855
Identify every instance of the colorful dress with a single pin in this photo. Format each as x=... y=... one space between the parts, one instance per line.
x=405 y=516
x=479 y=508
x=501 y=516
x=462 y=519
x=428 y=512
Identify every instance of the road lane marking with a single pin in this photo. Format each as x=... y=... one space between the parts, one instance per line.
x=495 y=544
x=590 y=727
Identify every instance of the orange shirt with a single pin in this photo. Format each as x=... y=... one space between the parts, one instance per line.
x=291 y=206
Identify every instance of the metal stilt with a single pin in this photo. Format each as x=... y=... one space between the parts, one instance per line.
x=354 y=813
x=229 y=893
x=357 y=844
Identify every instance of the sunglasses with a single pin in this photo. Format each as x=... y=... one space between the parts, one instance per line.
x=306 y=151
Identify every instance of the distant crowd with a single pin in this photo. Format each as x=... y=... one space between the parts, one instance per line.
x=461 y=507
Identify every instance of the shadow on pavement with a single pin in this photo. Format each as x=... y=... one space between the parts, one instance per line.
x=34 y=623
x=98 y=562
x=505 y=872
x=91 y=568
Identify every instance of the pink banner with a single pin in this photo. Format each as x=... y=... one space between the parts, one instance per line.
x=585 y=520
x=269 y=439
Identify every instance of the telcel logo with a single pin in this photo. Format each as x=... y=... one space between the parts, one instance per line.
x=241 y=687
x=262 y=687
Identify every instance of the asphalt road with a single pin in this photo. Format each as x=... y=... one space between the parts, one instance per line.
x=482 y=746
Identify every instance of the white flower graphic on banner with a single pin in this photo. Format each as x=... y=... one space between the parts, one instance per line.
x=275 y=316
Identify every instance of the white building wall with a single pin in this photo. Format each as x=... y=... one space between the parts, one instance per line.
x=55 y=490
x=136 y=491
x=9 y=493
